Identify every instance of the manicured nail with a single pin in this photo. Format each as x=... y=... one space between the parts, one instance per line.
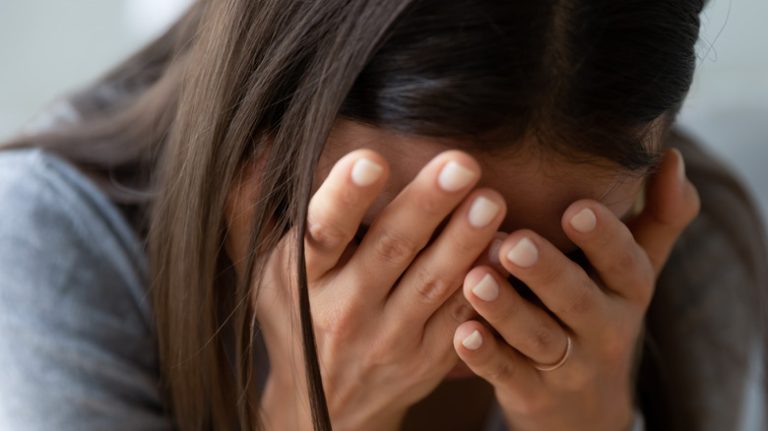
x=473 y=341
x=366 y=172
x=584 y=221
x=493 y=251
x=681 y=167
x=524 y=253
x=482 y=211
x=454 y=177
x=487 y=289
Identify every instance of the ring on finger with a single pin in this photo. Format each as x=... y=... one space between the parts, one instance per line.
x=559 y=363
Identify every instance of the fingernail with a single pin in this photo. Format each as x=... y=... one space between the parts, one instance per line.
x=482 y=211
x=584 y=221
x=366 y=172
x=454 y=177
x=493 y=251
x=681 y=167
x=473 y=341
x=487 y=289
x=524 y=253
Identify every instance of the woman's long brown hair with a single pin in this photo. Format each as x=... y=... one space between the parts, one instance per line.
x=234 y=80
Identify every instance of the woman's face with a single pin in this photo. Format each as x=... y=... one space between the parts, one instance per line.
x=536 y=191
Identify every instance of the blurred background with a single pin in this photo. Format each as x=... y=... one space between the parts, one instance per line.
x=50 y=47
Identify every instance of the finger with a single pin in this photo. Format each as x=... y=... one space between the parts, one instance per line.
x=561 y=284
x=456 y=310
x=439 y=270
x=511 y=374
x=337 y=208
x=405 y=226
x=439 y=329
x=611 y=249
x=672 y=202
x=524 y=326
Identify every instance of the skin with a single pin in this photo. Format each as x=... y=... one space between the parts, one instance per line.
x=404 y=293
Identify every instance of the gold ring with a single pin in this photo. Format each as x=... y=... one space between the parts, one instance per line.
x=558 y=364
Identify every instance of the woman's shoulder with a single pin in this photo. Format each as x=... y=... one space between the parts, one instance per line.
x=76 y=338
x=728 y=238
x=54 y=217
x=57 y=228
x=706 y=321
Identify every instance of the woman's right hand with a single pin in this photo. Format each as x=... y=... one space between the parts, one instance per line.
x=385 y=310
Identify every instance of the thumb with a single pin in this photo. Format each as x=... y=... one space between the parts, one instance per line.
x=672 y=202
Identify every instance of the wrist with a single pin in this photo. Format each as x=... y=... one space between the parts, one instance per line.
x=284 y=410
x=381 y=422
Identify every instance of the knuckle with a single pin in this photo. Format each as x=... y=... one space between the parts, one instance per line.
x=328 y=235
x=379 y=353
x=385 y=349
x=464 y=243
x=501 y=372
x=582 y=300
x=338 y=322
x=460 y=310
x=394 y=248
x=543 y=340
x=430 y=288
x=430 y=205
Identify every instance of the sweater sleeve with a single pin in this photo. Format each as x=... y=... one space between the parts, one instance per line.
x=76 y=338
x=707 y=318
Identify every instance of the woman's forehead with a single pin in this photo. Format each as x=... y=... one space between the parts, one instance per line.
x=537 y=190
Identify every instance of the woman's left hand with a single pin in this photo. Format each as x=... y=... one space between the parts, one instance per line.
x=599 y=310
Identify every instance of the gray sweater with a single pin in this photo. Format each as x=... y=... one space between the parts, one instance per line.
x=76 y=335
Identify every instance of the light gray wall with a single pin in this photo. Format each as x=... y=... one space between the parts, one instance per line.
x=727 y=107
x=48 y=47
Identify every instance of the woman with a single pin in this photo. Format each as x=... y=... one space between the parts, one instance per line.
x=477 y=198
